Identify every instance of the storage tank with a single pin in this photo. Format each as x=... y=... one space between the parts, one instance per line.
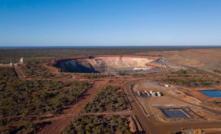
x=158 y=94
x=154 y=94
x=148 y=95
x=139 y=93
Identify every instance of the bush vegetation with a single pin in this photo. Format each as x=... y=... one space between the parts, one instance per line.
x=28 y=128
x=122 y=74
x=216 y=71
x=109 y=98
x=96 y=76
x=190 y=82
x=45 y=54
x=186 y=72
x=31 y=69
x=98 y=125
x=20 y=98
x=138 y=74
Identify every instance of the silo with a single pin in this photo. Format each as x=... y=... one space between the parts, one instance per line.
x=158 y=94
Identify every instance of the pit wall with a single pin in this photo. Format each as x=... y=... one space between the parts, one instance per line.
x=99 y=56
x=148 y=58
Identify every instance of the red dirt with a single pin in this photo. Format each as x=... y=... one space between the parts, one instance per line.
x=52 y=69
x=132 y=125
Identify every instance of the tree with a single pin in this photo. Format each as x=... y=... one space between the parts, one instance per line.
x=29 y=125
x=79 y=127
x=88 y=127
x=128 y=132
x=88 y=132
x=214 y=102
x=100 y=110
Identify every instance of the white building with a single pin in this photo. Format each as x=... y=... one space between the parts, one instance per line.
x=167 y=85
x=21 y=60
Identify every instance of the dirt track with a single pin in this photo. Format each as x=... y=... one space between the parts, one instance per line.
x=19 y=72
x=153 y=126
x=57 y=126
x=59 y=123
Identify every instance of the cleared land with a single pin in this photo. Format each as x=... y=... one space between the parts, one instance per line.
x=151 y=124
x=207 y=59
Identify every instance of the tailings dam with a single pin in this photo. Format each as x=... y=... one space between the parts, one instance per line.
x=106 y=64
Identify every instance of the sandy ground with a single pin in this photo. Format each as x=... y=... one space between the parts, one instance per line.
x=206 y=59
x=207 y=100
x=157 y=101
x=151 y=124
x=168 y=100
x=132 y=125
x=206 y=114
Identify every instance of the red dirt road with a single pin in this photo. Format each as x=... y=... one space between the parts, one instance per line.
x=57 y=126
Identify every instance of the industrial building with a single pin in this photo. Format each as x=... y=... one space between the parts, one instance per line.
x=154 y=94
x=148 y=94
x=167 y=85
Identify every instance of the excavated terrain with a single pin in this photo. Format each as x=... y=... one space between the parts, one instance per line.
x=106 y=64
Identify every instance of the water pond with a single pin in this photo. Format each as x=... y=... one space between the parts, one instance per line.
x=174 y=114
x=212 y=93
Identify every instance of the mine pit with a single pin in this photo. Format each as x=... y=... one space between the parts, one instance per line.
x=107 y=64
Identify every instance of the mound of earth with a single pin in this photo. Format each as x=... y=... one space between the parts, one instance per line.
x=206 y=59
x=106 y=64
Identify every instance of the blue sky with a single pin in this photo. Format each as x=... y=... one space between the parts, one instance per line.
x=110 y=22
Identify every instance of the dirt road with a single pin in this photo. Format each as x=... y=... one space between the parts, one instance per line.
x=57 y=126
x=19 y=72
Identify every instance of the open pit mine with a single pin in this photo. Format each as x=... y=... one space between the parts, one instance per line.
x=106 y=64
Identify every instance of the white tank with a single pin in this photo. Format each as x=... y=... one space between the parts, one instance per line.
x=158 y=94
